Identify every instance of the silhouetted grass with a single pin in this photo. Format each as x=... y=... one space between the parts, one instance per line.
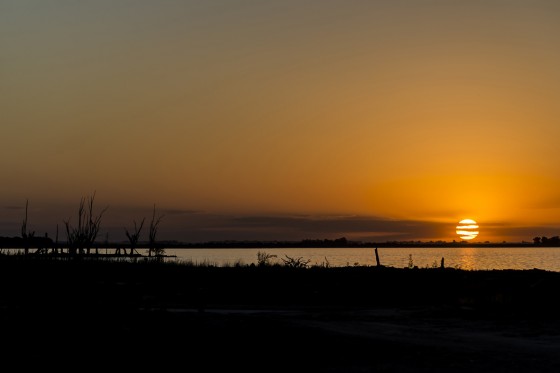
x=282 y=284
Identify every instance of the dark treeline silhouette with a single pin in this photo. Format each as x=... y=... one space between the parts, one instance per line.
x=338 y=243
x=155 y=248
x=546 y=241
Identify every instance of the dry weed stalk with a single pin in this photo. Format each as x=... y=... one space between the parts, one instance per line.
x=153 y=249
x=82 y=236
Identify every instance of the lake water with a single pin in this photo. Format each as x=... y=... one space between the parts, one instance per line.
x=468 y=258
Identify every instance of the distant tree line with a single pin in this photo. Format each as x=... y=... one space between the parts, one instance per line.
x=547 y=241
x=336 y=243
x=339 y=242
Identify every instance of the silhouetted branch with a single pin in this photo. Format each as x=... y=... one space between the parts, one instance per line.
x=135 y=235
x=153 y=233
x=83 y=235
x=25 y=234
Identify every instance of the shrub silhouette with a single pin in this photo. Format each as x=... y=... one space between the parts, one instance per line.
x=295 y=262
x=263 y=258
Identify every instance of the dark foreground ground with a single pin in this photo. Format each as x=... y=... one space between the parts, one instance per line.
x=78 y=315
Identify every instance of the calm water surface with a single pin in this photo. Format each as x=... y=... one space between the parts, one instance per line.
x=546 y=258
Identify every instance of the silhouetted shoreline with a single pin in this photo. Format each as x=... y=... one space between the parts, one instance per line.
x=338 y=244
x=269 y=318
x=35 y=242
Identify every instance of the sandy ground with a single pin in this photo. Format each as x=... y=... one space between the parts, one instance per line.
x=408 y=340
x=310 y=340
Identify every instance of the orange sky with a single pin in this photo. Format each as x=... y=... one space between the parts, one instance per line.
x=369 y=116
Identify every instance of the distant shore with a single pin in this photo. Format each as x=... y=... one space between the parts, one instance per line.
x=350 y=244
x=38 y=242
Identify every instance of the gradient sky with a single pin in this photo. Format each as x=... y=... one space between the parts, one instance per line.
x=292 y=119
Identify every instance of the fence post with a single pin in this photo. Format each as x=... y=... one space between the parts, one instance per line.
x=377 y=258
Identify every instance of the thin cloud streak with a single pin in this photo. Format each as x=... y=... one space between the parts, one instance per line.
x=207 y=227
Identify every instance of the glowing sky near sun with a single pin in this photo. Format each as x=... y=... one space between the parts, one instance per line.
x=423 y=111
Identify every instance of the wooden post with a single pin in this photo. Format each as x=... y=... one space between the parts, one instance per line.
x=442 y=261
x=377 y=258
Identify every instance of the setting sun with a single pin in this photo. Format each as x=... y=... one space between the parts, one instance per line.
x=467 y=229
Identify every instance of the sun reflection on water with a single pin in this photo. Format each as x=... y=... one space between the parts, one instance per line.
x=466 y=258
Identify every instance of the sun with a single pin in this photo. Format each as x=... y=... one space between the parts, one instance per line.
x=467 y=229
